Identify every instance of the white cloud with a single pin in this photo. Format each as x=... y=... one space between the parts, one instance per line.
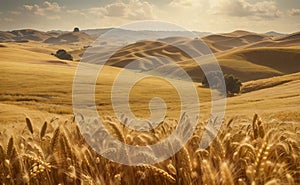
x=199 y=5
x=112 y=14
x=132 y=9
x=242 y=8
x=43 y=10
x=116 y=9
x=52 y=6
x=140 y=10
x=294 y=12
x=28 y=7
x=181 y=3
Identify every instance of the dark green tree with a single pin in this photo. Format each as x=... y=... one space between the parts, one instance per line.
x=233 y=84
x=76 y=29
x=63 y=54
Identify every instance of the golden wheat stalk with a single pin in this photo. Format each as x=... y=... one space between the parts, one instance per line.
x=29 y=125
x=162 y=173
x=55 y=138
x=43 y=130
x=226 y=174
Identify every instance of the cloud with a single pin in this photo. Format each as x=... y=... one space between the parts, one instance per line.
x=43 y=10
x=242 y=8
x=52 y=6
x=294 y=12
x=116 y=9
x=181 y=3
x=140 y=10
x=132 y=9
x=200 y=5
x=44 y=14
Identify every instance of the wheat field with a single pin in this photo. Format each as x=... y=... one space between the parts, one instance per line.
x=254 y=152
x=46 y=146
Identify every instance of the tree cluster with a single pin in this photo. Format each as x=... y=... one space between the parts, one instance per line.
x=232 y=83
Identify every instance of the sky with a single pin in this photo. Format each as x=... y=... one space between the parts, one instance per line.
x=195 y=15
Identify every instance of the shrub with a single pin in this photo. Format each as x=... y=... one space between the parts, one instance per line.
x=63 y=54
x=76 y=29
x=233 y=84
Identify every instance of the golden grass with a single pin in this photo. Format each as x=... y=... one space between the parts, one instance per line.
x=54 y=152
x=39 y=84
x=248 y=153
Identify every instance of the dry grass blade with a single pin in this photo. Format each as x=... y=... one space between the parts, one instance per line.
x=29 y=125
x=10 y=146
x=44 y=129
x=229 y=122
x=255 y=126
x=55 y=139
x=2 y=153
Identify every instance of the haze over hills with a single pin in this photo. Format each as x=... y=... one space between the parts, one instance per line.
x=26 y=34
x=35 y=35
x=248 y=55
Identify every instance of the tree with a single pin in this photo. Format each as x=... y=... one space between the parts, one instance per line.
x=63 y=54
x=76 y=29
x=232 y=83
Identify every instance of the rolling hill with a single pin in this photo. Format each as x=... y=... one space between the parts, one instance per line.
x=247 y=55
x=226 y=41
x=26 y=66
x=23 y=35
x=26 y=35
x=70 y=37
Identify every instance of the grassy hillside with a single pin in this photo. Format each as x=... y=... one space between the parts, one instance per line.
x=33 y=81
x=262 y=62
x=30 y=68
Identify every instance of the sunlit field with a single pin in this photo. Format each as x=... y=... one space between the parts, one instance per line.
x=258 y=142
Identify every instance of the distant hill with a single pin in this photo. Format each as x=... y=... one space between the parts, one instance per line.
x=292 y=36
x=247 y=55
x=53 y=37
x=226 y=41
x=142 y=34
x=69 y=37
x=25 y=34
x=59 y=36
x=288 y=40
x=247 y=64
x=261 y=62
x=275 y=34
